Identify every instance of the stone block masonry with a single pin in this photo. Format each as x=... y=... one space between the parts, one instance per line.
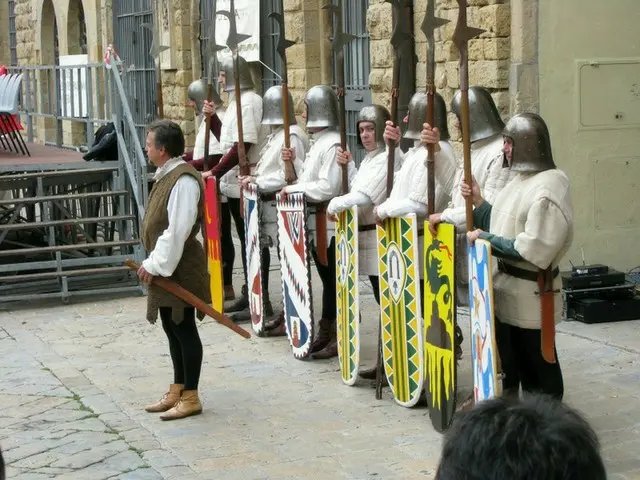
x=488 y=54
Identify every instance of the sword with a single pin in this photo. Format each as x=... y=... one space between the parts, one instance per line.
x=191 y=299
x=212 y=94
x=290 y=175
x=461 y=36
x=429 y=25
x=155 y=51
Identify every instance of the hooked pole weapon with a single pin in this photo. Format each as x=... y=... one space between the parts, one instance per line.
x=340 y=39
x=212 y=93
x=155 y=51
x=429 y=25
x=289 y=170
x=399 y=39
x=233 y=40
x=461 y=36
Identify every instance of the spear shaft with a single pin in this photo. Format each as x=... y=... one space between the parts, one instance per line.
x=290 y=175
x=461 y=37
x=431 y=22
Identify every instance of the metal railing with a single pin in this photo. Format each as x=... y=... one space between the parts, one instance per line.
x=74 y=101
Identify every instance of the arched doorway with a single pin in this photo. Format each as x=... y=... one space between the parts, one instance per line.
x=48 y=80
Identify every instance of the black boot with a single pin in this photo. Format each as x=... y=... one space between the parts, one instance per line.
x=241 y=303
x=323 y=336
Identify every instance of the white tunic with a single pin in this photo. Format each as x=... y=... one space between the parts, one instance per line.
x=252 y=132
x=269 y=174
x=410 y=190
x=536 y=210
x=214 y=145
x=321 y=177
x=486 y=168
x=368 y=189
x=410 y=194
x=182 y=210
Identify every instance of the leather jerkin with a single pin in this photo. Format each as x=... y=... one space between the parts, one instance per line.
x=548 y=327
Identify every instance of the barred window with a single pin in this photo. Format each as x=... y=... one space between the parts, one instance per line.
x=13 y=41
x=269 y=36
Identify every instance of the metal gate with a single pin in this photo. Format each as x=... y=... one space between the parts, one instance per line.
x=269 y=36
x=357 y=67
x=133 y=42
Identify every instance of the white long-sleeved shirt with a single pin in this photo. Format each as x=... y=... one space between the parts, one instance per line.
x=182 y=210
x=486 y=168
x=269 y=172
x=321 y=177
x=409 y=194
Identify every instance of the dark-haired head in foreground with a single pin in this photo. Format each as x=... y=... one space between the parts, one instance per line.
x=532 y=439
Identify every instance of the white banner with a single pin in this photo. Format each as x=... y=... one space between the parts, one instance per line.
x=73 y=86
x=247 y=23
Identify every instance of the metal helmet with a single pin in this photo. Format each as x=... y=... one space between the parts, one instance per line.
x=272 y=107
x=322 y=107
x=484 y=118
x=226 y=66
x=197 y=93
x=531 y=150
x=379 y=116
x=418 y=116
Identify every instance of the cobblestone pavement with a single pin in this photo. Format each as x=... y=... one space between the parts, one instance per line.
x=74 y=379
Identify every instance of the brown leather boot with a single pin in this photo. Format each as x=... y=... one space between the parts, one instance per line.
x=168 y=400
x=188 y=405
x=326 y=327
x=229 y=293
x=329 y=351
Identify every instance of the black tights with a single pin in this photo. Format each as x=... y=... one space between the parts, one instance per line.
x=328 y=276
x=185 y=347
x=520 y=352
x=375 y=285
x=231 y=209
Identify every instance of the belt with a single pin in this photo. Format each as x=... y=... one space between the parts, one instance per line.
x=521 y=273
x=366 y=228
x=267 y=197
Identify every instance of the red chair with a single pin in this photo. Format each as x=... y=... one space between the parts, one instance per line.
x=14 y=122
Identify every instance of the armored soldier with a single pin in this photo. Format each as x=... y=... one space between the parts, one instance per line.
x=486 y=166
x=368 y=188
x=269 y=176
x=197 y=93
x=320 y=181
x=409 y=194
x=530 y=227
x=226 y=171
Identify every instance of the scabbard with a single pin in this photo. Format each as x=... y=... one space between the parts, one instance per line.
x=321 y=233
x=548 y=327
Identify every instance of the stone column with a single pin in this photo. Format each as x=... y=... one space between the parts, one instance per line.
x=524 y=79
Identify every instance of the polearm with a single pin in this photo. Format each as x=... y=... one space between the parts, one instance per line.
x=233 y=40
x=289 y=170
x=340 y=39
x=429 y=25
x=461 y=36
x=155 y=51
x=188 y=297
x=399 y=39
x=212 y=93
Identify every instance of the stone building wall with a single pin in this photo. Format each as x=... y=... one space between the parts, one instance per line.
x=488 y=54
